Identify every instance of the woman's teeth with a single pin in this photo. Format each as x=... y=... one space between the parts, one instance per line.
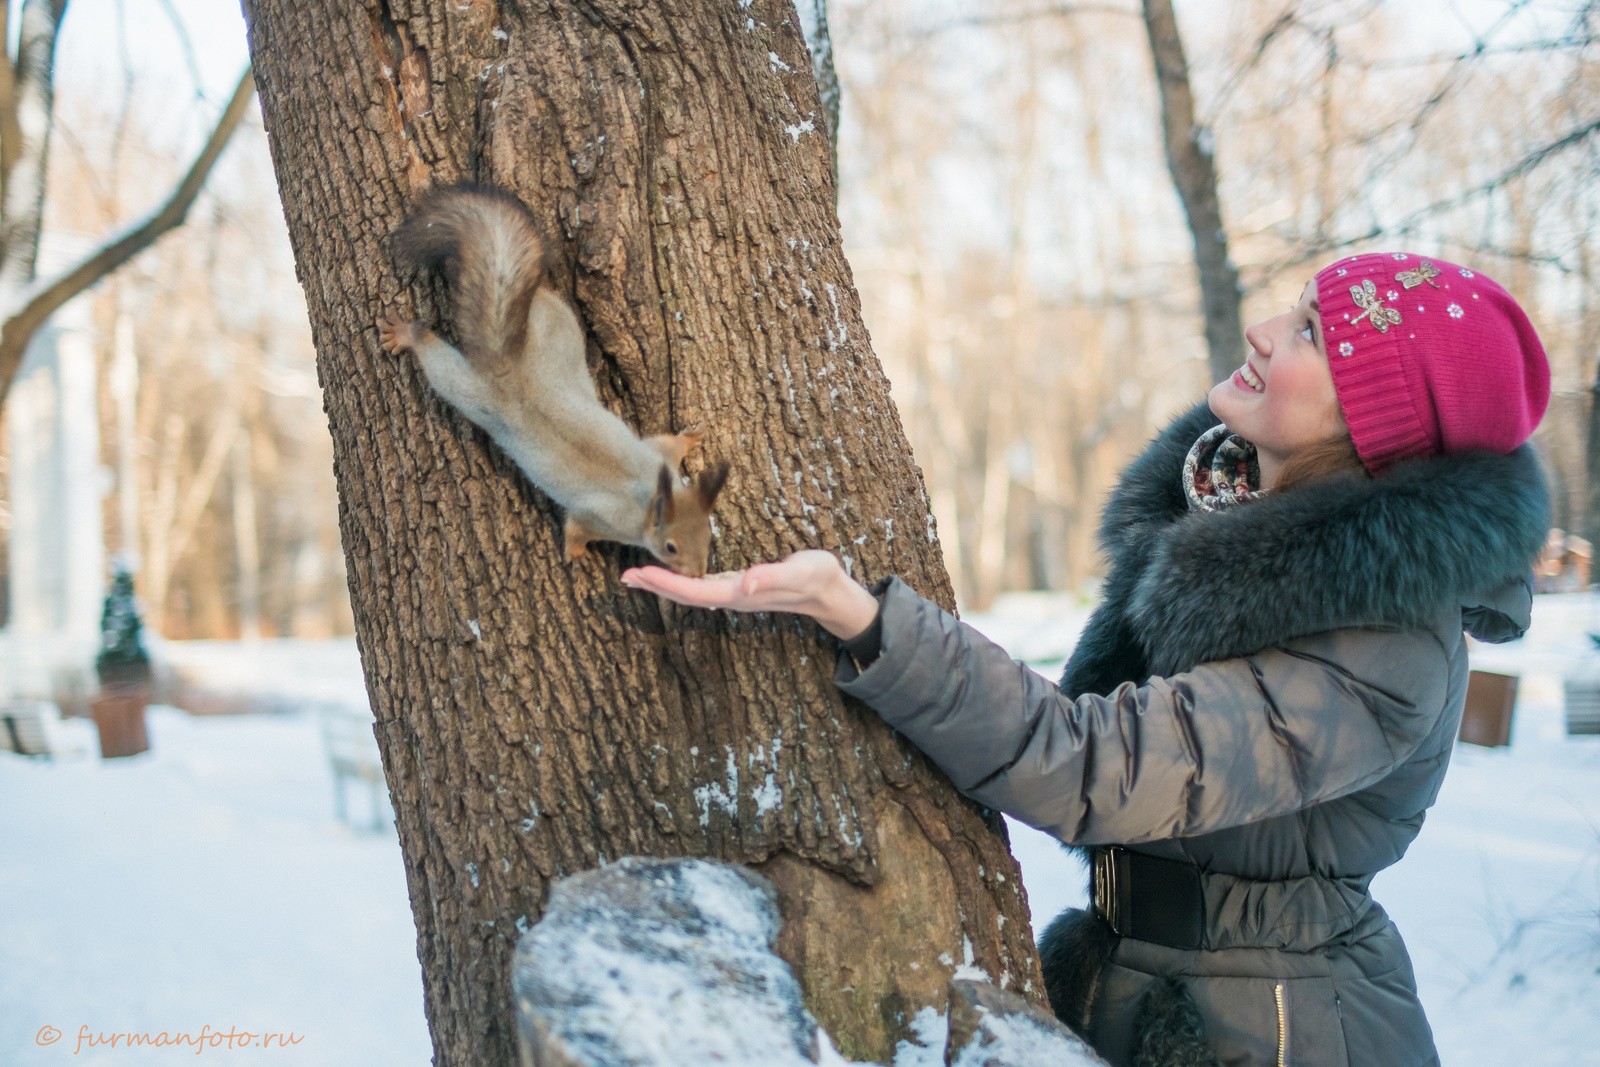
x=1248 y=373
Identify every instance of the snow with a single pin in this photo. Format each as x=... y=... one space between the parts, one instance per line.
x=1018 y=1041
x=657 y=962
x=931 y=1030
x=208 y=882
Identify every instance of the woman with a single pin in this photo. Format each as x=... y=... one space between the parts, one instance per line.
x=1263 y=705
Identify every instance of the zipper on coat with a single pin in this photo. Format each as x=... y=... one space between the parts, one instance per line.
x=1281 y=998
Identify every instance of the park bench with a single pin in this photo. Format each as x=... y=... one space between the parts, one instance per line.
x=23 y=729
x=1582 y=693
x=353 y=756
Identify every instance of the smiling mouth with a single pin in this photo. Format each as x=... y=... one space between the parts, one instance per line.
x=1248 y=375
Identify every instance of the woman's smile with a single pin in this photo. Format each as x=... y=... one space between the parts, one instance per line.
x=1246 y=378
x=1300 y=409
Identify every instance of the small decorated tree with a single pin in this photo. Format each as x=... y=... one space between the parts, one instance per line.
x=124 y=669
x=122 y=661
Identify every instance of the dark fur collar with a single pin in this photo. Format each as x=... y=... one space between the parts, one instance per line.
x=1186 y=588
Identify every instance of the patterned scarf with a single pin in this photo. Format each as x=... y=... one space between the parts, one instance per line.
x=1221 y=470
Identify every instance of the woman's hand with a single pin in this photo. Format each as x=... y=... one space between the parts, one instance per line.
x=810 y=582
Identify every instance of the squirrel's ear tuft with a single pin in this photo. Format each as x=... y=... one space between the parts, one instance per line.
x=710 y=483
x=661 y=511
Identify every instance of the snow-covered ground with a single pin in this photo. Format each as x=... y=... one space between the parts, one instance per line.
x=208 y=882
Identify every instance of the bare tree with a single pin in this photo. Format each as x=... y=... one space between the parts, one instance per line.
x=1189 y=148
x=27 y=114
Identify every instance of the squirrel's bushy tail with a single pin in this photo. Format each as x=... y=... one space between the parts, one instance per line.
x=485 y=243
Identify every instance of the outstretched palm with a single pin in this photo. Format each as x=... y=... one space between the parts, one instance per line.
x=810 y=582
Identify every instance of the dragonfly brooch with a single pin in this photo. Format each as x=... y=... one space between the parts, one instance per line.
x=1425 y=272
x=1366 y=297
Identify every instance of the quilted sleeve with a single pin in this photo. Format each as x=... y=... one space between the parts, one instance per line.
x=1222 y=745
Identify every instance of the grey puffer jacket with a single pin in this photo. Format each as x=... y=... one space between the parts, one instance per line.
x=1269 y=693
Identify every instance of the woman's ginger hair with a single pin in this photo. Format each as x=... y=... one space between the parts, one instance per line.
x=1313 y=464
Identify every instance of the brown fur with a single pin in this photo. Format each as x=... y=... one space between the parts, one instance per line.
x=484 y=242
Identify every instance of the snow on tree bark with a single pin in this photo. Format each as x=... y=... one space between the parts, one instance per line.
x=535 y=718
x=657 y=963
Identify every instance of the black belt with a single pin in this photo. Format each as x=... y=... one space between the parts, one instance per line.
x=1150 y=899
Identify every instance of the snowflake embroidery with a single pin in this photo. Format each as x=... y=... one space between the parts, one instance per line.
x=1454 y=311
x=1341 y=272
x=1465 y=273
x=1392 y=295
x=1399 y=255
x=1346 y=348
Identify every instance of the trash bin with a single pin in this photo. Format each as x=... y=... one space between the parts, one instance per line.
x=1490 y=700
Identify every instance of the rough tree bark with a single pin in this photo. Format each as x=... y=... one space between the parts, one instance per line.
x=537 y=719
x=1189 y=158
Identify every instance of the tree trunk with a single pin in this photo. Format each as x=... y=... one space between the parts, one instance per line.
x=1189 y=157
x=1591 y=510
x=535 y=718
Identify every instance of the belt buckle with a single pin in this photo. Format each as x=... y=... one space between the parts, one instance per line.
x=1105 y=887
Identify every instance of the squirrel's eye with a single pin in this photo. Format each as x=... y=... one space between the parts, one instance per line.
x=671 y=547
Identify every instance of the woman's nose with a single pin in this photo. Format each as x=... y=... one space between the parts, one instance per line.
x=1256 y=335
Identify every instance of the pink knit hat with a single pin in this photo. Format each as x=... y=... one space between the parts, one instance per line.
x=1429 y=358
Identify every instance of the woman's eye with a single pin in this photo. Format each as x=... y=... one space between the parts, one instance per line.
x=1308 y=334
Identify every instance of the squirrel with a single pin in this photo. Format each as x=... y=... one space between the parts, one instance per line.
x=520 y=374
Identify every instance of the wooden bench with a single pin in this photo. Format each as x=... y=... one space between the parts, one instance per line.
x=1582 y=695
x=353 y=756
x=22 y=727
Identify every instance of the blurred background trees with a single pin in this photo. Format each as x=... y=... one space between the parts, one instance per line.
x=216 y=468
x=1026 y=267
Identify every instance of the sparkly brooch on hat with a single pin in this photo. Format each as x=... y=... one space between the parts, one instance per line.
x=1366 y=297
x=1425 y=272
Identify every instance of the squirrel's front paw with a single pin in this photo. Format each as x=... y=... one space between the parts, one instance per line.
x=398 y=335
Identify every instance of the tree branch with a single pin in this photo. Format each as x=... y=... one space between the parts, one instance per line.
x=26 y=147
x=1189 y=159
x=39 y=301
x=186 y=45
x=1048 y=11
x=1454 y=77
x=1533 y=159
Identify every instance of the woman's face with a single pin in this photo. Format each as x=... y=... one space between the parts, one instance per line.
x=1282 y=399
